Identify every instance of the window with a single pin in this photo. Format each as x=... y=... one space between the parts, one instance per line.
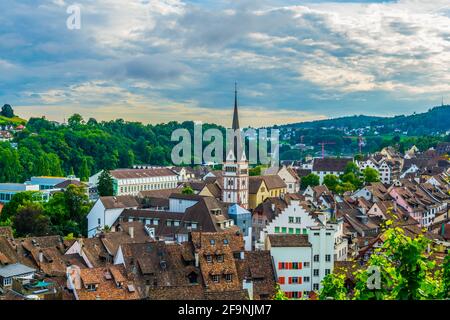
x=295 y=265
x=216 y=278
x=283 y=230
x=316 y=258
x=220 y=258
x=328 y=258
x=291 y=219
x=99 y=221
x=209 y=258
x=327 y=271
x=291 y=230
x=91 y=287
x=298 y=220
x=306 y=279
x=225 y=241
x=7 y=281
x=281 y=280
x=293 y=280
x=212 y=242
x=316 y=272
x=277 y=229
x=228 y=277
x=306 y=264
x=315 y=286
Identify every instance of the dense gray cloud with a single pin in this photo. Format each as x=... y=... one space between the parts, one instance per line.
x=316 y=58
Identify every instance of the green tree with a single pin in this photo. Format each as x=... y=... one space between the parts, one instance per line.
x=371 y=175
x=280 y=295
x=75 y=120
x=352 y=168
x=7 y=111
x=187 y=190
x=406 y=268
x=331 y=181
x=256 y=171
x=310 y=180
x=30 y=220
x=54 y=165
x=67 y=210
x=105 y=184
x=42 y=166
x=353 y=179
x=333 y=287
x=19 y=199
x=84 y=173
x=345 y=187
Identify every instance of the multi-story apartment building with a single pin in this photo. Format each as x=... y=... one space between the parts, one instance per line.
x=294 y=219
x=302 y=261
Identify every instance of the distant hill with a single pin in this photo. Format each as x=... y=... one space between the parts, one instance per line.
x=433 y=121
x=14 y=121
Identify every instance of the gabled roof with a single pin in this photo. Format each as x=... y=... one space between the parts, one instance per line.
x=274 y=182
x=119 y=202
x=289 y=240
x=16 y=269
x=65 y=184
x=331 y=164
x=254 y=183
x=163 y=194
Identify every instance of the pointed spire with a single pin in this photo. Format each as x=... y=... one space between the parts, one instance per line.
x=235 y=115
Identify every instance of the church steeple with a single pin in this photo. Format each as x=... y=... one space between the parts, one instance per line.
x=235 y=168
x=235 y=114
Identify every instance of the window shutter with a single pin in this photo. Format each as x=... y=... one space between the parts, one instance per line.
x=280 y=265
x=290 y=280
x=281 y=280
x=300 y=265
x=300 y=280
x=290 y=266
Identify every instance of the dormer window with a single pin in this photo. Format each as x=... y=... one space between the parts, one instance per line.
x=209 y=258
x=225 y=241
x=216 y=278
x=220 y=258
x=228 y=277
x=91 y=287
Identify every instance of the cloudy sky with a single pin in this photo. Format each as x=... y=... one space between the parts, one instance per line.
x=162 y=60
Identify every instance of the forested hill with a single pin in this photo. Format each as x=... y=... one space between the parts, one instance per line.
x=86 y=147
x=434 y=120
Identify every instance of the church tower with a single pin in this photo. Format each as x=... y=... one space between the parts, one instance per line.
x=235 y=167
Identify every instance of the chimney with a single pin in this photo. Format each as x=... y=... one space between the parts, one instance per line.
x=196 y=260
x=273 y=207
x=131 y=232
x=395 y=206
x=41 y=256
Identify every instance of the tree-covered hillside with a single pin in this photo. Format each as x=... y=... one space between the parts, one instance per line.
x=84 y=148
x=433 y=121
